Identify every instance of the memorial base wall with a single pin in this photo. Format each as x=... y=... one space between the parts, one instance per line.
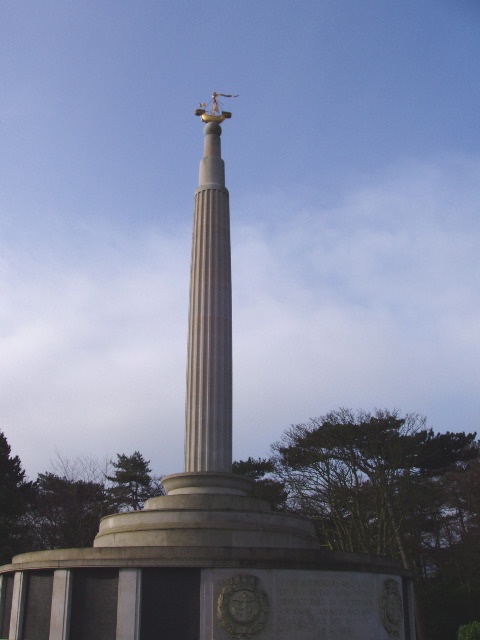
x=197 y=594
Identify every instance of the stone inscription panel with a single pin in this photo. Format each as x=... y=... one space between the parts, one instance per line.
x=327 y=606
x=313 y=605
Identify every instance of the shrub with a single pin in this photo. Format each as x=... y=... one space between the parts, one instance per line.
x=470 y=631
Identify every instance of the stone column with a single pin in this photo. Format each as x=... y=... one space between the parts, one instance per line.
x=60 y=613
x=128 y=608
x=208 y=430
x=18 y=603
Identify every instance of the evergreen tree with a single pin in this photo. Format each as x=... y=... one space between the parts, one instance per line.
x=386 y=484
x=264 y=485
x=66 y=512
x=132 y=482
x=14 y=492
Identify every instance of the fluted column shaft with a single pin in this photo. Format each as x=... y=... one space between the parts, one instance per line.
x=208 y=431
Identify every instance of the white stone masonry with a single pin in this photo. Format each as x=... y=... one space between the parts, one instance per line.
x=208 y=429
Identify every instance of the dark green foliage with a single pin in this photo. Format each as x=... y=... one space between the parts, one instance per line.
x=62 y=509
x=132 y=482
x=384 y=483
x=264 y=485
x=439 y=453
x=470 y=631
x=65 y=513
x=252 y=468
x=14 y=495
x=450 y=591
x=344 y=470
x=370 y=481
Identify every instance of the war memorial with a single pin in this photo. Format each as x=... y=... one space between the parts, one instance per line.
x=206 y=561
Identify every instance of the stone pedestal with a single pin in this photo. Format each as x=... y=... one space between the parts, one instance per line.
x=201 y=593
x=205 y=562
x=211 y=521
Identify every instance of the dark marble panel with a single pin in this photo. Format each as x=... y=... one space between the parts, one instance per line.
x=38 y=605
x=6 y=604
x=170 y=604
x=94 y=604
x=406 y=609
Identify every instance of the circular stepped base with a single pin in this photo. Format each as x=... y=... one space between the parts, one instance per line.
x=209 y=510
x=207 y=521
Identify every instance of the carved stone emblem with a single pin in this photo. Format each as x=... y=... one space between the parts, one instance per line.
x=242 y=606
x=391 y=607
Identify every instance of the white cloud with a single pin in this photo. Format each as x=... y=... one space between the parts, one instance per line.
x=372 y=303
x=93 y=355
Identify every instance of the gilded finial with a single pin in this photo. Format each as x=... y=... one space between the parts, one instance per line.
x=213 y=112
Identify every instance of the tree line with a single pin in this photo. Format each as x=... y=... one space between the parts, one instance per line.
x=62 y=507
x=388 y=485
x=378 y=483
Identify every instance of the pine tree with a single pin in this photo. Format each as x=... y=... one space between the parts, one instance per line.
x=132 y=482
x=14 y=490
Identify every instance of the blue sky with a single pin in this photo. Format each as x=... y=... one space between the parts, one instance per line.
x=353 y=164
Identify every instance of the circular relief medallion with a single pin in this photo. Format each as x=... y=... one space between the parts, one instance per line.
x=242 y=607
x=391 y=607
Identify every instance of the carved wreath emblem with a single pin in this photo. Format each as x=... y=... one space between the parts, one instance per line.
x=391 y=607
x=242 y=607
